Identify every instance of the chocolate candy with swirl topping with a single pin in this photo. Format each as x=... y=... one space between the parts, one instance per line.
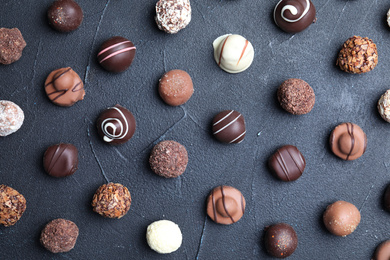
x=61 y=160
x=348 y=141
x=64 y=87
x=229 y=127
x=225 y=205
x=280 y=240
x=294 y=16
x=116 y=125
x=287 y=163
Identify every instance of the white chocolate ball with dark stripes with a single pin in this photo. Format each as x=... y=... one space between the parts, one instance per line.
x=229 y=127
x=116 y=54
x=233 y=53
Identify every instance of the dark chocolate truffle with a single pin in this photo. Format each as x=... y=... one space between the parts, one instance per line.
x=65 y=15
x=11 y=45
x=229 y=127
x=382 y=252
x=116 y=125
x=294 y=16
x=341 y=218
x=280 y=240
x=175 y=87
x=287 y=163
x=172 y=15
x=64 y=87
x=348 y=141
x=61 y=160
x=168 y=159
x=225 y=205
x=296 y=96
x=386 y=199
x=111 y=200
x=116 y=54
x=12 y=205
x=59 y=235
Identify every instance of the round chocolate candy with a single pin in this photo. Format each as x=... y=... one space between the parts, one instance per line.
x=61 y=160
x=382 y=252
x=11 y=45
x=280 y=240
x=294 y=16
x=11 y=117
x=287 y=163
x=12 y=205
x=164 y=236
x=229 y=127
x=225 y=205
x=348 y=141
x=341 y=218
x=59 y=235
x=65 y=15
x=175 y=87
x=116 y=54
x=386 y=199
x=172 y=15
x=384 y=106
x=116 y=125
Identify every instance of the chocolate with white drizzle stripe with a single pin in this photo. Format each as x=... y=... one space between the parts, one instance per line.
x=229 y=126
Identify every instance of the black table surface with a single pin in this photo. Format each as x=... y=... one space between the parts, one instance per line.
x=309 y=55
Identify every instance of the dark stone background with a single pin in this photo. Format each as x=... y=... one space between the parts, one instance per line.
x=309 y=55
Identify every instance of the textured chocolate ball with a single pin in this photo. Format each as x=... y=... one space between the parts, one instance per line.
x=280 y=240
x=116 y=54
x=229 y=127
x=11 y=117
x=168 y=159
x=384 y=106
x=12 y=205
x=11 y=45
x=386 y=199
x=296 y=96
x=175 y=87
x=61 y=160
x=164 y=236
x=59 y=235
x=65 y=15
x=172 y=15
x=341 y=218
x=382 y=252
x=287 y=163
x=116 y=125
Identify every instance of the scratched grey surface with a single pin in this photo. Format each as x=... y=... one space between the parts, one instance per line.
x=309 y=55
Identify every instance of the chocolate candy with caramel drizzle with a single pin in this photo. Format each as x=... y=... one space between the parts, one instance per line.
x=294 y=16
x=64 y=87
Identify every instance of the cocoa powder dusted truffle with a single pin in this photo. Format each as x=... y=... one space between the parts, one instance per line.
x=168 y=159
x=229 y=126
x=65 y=15
x=11 y=117
x=12 y=205
x=11 y=45
x=61 y=160
x=173 y=15
x=280 y=240
x=358 y=55
x=59 y=235
x=111 y=200
x=175 y=87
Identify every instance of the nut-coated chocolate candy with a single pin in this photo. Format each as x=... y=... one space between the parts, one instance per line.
x=59 y=235
x=280 y=240
x=175 y=87
x=64 y=87
x=348 y=141
x=386 y=199
x=341 y=218
x=12 y=205
x=116 y=125
x=287 y=163
x=294 y=16
x=11 y=117
x=229 y=126
x=384 y=106
x=382 y=252
x=225 y=205
x=116 y=54
x=172 y=15
x=11 y=45
x=65 y=15
x=61 y=160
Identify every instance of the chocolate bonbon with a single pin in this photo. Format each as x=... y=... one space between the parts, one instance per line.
x=384 y=106
x=116 y=125
x=294 y=16
x=61 y=160
x=12 y=205
x=172 y=15
x=175 y=87
x=229 y=126
x=65 y=15
x=287 y=163
x=11 y=117
x=59 y=235
x=11 y=45
x=382 y=251
x=348 y=141
x=164 y=236
x=116 y=54
x=280 y=240
x=225 y=205
x=341 y=218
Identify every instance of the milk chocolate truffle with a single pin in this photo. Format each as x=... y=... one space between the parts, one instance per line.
x=384 y=106
x=233 y=53
x=341 y=218
x=172 y=15
x=296 y=96
x=358 y=55
x=116 y=54
x=11 y=117
x=229 y=126
x=116 y=125
x=64 y=87
x=12 y=205
x=164 y=236
x=65 y=15
x=11 y=45
x=294 y=16
x=61 y=160
x=386 y=199
x=225 y=205
x=287 y=163
x=168 y=159
x=280 y=240
x=175 y=87
x=111 y=200
x=59 y=235
x=382 y=252
x=348 y=141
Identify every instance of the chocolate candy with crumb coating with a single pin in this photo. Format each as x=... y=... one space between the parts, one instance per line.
x=281 y=240
x=229 y=127
x=61 y=160
x=287 y=163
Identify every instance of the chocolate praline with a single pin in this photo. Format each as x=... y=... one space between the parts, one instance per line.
x=287 y=163
x=382 y=252
x=61 y=160
x=229 y=126
x=11 y=45
x=12 y=205
x=175 y=87
x=65 y=15
x=280 y=240
x=59 y=235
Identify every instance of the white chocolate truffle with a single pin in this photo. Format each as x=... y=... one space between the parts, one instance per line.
x=11 y=117
x=388 y=18
x=384 y=106
x=233 y=53
x=164 y=236
x=172 y=15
